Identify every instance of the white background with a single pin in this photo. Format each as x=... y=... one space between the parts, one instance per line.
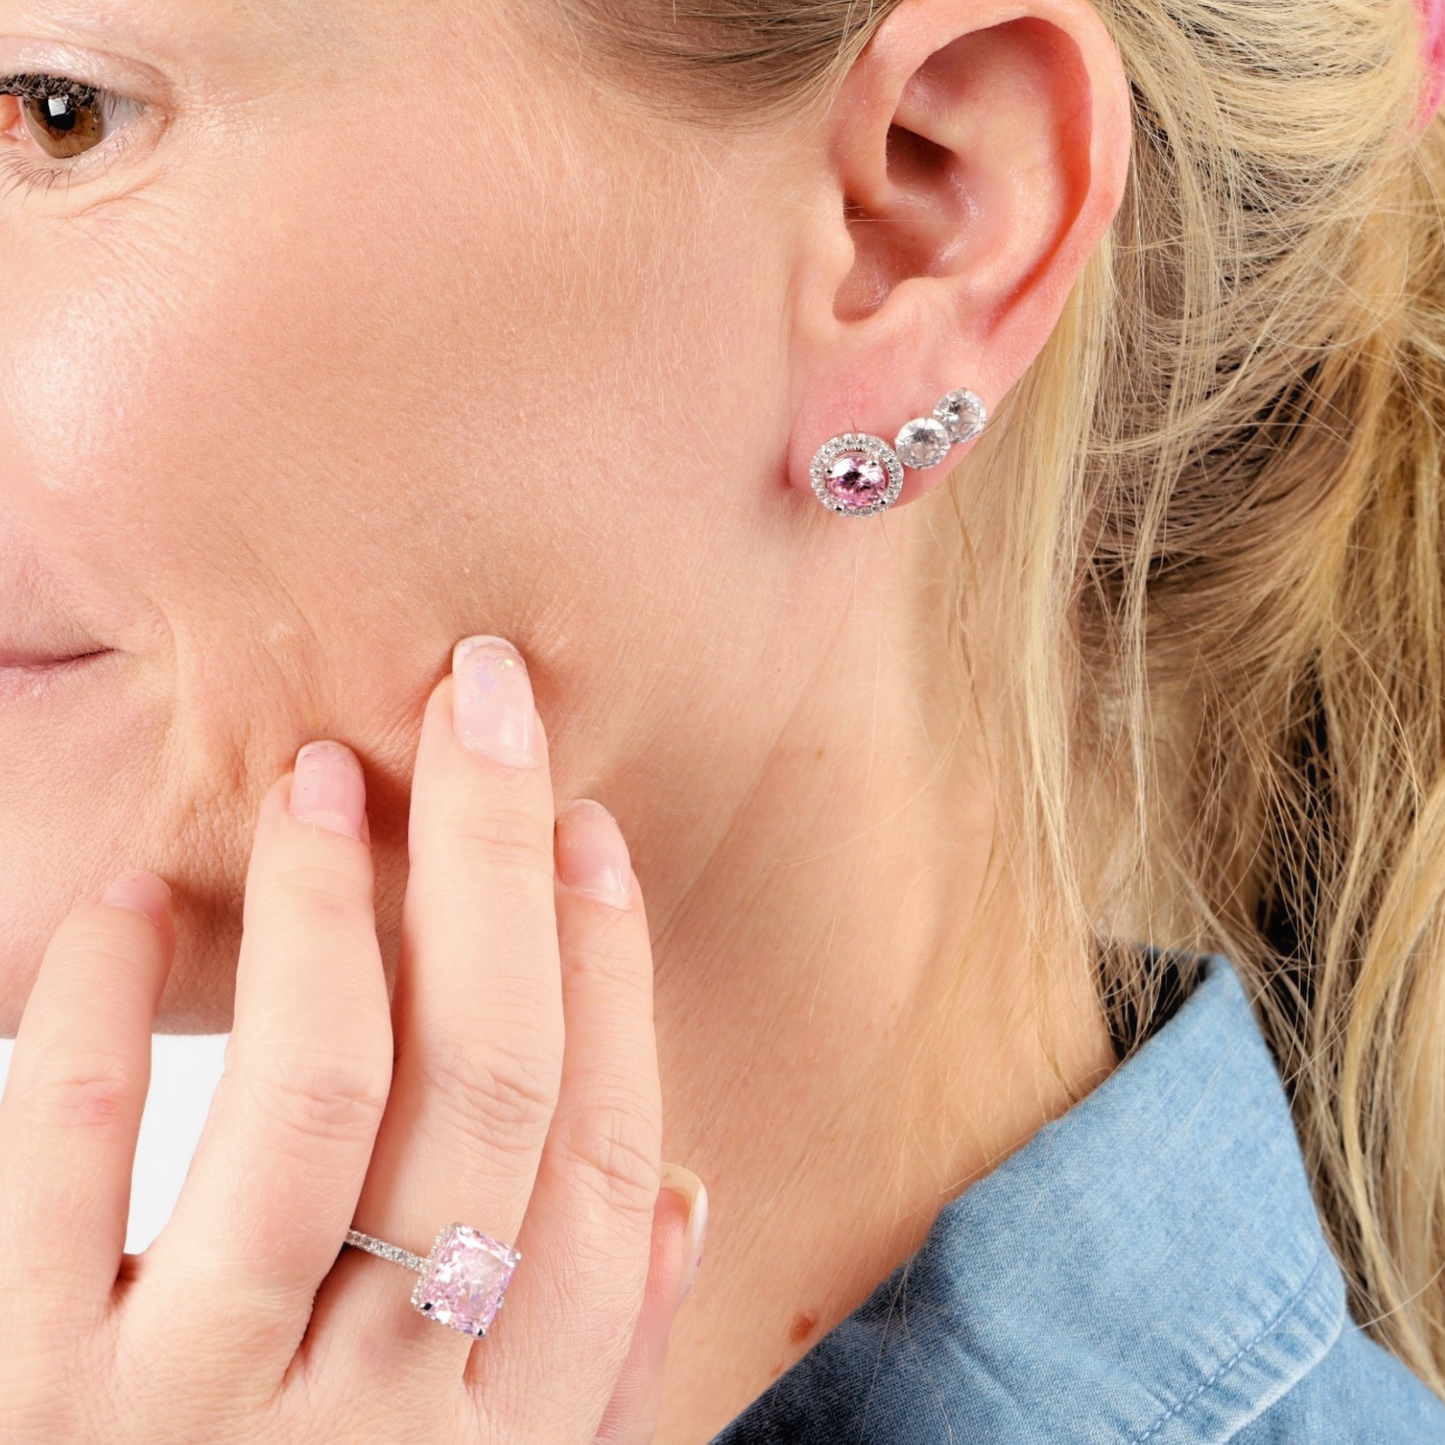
x=184 y=1071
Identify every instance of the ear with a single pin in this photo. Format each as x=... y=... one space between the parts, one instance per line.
x=971 y=160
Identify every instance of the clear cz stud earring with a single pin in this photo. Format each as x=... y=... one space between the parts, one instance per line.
x=856 y=475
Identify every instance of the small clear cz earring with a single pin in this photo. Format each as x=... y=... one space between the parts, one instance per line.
x=855 y=474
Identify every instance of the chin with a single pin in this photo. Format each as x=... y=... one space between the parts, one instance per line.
x=198 y=994
x=25 y=929
x=201 y=987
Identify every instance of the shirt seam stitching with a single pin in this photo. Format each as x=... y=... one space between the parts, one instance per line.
x=1266 y=1329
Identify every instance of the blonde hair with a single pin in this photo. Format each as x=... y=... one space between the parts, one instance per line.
x=1224 y=487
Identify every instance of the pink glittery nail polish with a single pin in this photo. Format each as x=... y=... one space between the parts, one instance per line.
x=492 y=708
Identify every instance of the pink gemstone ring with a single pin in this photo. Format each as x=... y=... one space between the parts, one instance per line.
x=462 y=1279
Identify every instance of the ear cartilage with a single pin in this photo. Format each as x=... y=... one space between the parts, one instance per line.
x=856 y=475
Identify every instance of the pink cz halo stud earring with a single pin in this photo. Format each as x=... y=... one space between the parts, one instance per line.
x=856 y=475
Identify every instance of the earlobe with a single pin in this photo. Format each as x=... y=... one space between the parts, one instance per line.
x=976 y=157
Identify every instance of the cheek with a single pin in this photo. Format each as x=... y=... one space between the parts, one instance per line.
x=199 y=398
x=307 y=349
x=324 y=409
x=380 y=354
x=78 y=394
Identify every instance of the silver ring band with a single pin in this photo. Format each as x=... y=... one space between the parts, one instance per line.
x=382 y=1250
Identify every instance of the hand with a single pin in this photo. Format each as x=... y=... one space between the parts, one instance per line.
x=247 y=1319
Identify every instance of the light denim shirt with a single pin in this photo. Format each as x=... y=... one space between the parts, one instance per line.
x=1148 y=1267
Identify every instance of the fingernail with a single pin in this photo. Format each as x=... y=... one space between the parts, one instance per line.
x=327 y=788
x=492 y=708
x=591 y=855
x=141 y=893
x=693 y=1191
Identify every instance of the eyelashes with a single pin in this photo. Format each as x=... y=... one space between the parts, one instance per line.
x=37 y=85
x=68 y=120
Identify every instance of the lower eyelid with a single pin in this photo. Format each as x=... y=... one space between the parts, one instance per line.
x=16 y=172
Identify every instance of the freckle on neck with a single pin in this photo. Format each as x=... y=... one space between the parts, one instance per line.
x=804 y=1323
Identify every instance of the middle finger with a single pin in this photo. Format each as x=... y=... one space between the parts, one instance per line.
x=477 y=1009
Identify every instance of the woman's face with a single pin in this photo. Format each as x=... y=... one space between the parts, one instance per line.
x=370 y=326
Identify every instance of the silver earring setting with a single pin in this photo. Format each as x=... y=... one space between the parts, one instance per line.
x=856 y=475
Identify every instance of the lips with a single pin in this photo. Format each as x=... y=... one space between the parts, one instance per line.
x=37 y=658
x=41 y=626
x=48 y=611
x=30 y=676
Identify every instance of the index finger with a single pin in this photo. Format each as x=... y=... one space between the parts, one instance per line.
x=274 y=1182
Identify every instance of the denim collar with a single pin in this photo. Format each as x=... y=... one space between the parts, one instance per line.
x=1148 y=1267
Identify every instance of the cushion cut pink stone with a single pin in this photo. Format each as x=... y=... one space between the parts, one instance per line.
x=855 y=480
x=464 y=1279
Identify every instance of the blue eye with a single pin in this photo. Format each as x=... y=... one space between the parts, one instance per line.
x=64 y=117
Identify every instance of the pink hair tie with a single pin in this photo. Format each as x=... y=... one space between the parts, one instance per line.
x=1432 y=54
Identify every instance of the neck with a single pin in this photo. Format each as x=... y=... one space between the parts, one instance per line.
x=849 y=1026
